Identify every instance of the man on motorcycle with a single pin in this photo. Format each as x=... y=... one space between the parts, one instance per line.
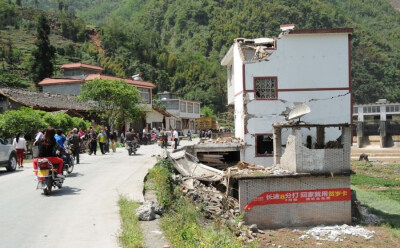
x=60 y=138
x=49 y=148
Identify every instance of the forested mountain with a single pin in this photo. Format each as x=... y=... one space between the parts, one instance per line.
x=178 y=44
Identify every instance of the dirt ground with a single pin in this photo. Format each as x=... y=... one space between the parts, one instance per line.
x=290 y=238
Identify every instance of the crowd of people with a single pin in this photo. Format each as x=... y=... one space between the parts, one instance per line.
x=80 y=141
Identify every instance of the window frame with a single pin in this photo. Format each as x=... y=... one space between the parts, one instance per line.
x=142 y=91
x=256 y=146
x=255 y=88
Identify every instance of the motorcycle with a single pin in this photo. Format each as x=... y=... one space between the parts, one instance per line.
x=68 y=167
x=47 y=176
x=131 y=146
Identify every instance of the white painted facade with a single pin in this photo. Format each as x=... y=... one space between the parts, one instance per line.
x=306 y=65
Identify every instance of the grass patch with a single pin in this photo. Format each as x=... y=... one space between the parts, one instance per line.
x=383 y=206
x=361 y=179
x=183 y=223
x=131 y=236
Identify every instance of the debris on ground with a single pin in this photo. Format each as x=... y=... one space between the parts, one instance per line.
x=336 y=233
x=149 y=210
x=244 y=168
x=218 y=206
x=369 y=218
x=188 y=166
x=224 y=140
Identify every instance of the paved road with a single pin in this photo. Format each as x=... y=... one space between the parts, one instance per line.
x=84 y=213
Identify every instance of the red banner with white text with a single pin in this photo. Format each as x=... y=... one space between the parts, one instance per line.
x=300 y=196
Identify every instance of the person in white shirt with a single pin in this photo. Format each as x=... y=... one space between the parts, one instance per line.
x=20 y=146
x=176 y=138
x=38 y=137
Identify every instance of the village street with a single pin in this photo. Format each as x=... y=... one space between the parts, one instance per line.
x=84 y=213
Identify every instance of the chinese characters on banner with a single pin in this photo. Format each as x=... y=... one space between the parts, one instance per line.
x=300 y=196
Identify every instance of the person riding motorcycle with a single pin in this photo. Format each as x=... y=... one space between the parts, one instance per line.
x=60 y=138
x=129 y=136
x=49 y=148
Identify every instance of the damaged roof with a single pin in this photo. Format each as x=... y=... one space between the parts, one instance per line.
x=256 y=50
x=44 y=100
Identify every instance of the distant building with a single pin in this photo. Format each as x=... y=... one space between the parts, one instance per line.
x=14 y=99
x=377 y=124
x=265 y=76
x=76 y=74
x=186 y=111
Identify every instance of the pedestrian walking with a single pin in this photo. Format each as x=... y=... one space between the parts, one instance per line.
x=20 y=146
x=176 y=138
x=92 y=142
x=189 y=134
x=113 y=138
x=122 y=137
x=38 y=138
x=107 y=139
x=75 y=144
x=102 y=141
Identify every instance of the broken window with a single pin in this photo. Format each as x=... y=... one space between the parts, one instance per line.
x=266 y=87
x=264 y=145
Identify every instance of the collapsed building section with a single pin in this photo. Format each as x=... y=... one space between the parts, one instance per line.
x=314 y=188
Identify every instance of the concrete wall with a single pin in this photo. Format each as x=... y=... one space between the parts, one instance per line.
x=294 y=214
x=307 y=67
x=7 y=104
x=66 y=89
x=298 y=158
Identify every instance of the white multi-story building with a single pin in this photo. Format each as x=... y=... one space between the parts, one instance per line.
x=186 y=111
x=265 y=76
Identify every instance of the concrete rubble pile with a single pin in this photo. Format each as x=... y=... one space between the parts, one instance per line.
x=244 y=168
x=223 y=140
x=218 y=206
x=369 y=218
x=336 y=233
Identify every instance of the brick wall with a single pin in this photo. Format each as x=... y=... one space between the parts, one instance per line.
x=298 y=158
x=294 y=214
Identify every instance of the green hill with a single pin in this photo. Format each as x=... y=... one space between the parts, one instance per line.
x=178 y=44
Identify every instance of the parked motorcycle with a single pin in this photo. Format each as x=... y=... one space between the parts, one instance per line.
x=132 y=147
x=47 y=176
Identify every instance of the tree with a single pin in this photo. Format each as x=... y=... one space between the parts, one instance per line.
x=207 y=111
x=18 y=2
x=25 y=120
x=115 y=99
x=44 y=54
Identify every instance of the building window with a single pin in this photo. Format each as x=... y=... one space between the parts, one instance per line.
x=190 y=107
x=183 y=106
x=264 y=145
x=392 y=108
x=170 y=105
x=355 y=110
x=266 y=87
x=197 y=108
x=372 y=109
x=145 y=94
